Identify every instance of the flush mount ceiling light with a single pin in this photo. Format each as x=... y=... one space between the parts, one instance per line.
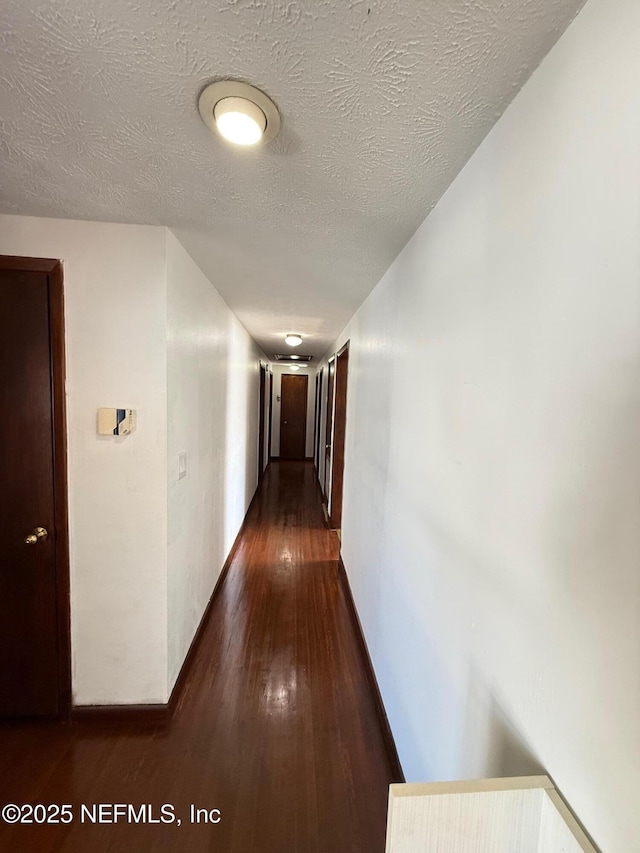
x=294 y=367
x=241 y=114
x=293 y=340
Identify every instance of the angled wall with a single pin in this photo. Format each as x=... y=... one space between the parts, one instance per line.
x=492 y=483
x=213 y=400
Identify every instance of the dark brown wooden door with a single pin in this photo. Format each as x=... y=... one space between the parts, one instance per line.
x=339 y=435
x=293 y=416
x=329 y=426
x=29 y=642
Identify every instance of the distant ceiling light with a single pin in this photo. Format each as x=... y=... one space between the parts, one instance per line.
x=293 y=340
x=238 y=112
x=294 y=356
x=294 y=367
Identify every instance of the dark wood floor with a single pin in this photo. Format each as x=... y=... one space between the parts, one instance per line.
x=276 y=726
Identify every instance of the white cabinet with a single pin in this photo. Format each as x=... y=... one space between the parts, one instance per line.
x=515 y=815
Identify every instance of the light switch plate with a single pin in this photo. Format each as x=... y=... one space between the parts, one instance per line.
x=182 y=465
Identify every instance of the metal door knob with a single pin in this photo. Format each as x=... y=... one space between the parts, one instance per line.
x=39 y=534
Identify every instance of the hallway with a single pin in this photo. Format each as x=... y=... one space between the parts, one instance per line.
x=276 y=727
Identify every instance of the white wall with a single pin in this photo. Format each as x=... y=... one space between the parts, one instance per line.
x=115 y=304
x=492 y=481
x=213 y=402
x=278 y=370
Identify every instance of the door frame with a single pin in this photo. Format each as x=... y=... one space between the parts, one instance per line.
x=340 y=390
x=304 y=376
x=53 y=268
x=317 y=424
x=261 y=421
x=328 y=429
x=270 y=428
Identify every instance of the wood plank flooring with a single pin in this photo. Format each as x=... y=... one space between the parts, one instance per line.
x=276 y=727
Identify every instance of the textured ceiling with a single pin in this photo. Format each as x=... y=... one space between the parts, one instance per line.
x=382 y=102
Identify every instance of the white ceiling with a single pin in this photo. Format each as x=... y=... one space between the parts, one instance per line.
x=382 y=102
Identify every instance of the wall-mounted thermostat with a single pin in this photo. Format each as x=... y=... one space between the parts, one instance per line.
x=116 y=421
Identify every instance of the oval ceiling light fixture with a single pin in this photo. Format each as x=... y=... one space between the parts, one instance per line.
x=294 y=367
x=240 y=113
x=293 y=340
x=240 y=121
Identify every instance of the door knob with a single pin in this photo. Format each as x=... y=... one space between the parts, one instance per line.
x=39 y=534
